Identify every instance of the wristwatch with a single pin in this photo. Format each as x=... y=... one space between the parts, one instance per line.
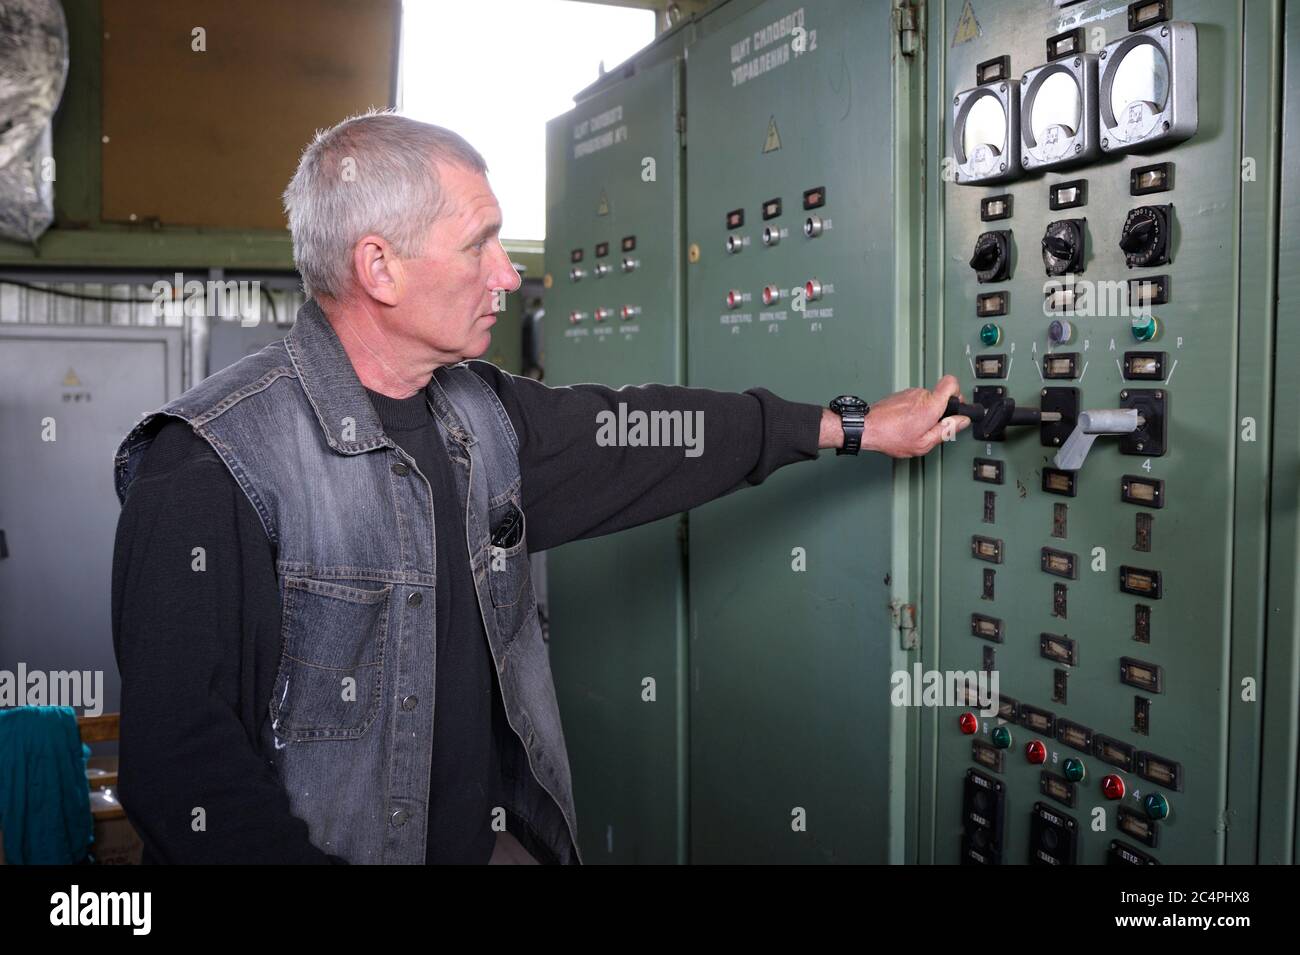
x=853 y=413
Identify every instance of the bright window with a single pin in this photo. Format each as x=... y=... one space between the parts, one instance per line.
x=496 y=70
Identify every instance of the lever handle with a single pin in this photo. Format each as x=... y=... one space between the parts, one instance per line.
x=955 y=407
x=1090 y=425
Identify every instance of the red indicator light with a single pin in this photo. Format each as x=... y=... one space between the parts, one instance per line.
x=1112 y=786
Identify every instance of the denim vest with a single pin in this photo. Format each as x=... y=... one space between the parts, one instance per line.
x=350 y=517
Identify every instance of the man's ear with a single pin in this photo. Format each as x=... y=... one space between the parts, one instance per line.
x=377 y=270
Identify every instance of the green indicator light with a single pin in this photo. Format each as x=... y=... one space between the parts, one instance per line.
x=990 y=335
x=1157 y=806
x=1146 y=327
x=1074 y=770
x=1001 y=737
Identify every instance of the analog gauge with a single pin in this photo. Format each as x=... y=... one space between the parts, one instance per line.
x=1140 y=88
x=986 y=133
x=1056 y=109
x=986 y=127
x=1148 y=88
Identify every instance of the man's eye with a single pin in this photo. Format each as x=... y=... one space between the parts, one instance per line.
x=478 y=246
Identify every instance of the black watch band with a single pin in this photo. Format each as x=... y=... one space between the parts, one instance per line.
x=853 y=415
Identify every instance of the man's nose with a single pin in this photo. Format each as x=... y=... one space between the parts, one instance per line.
x=504 y=275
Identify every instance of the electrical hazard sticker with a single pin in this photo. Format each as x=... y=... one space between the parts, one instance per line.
x=773 y=141
x=968 y=28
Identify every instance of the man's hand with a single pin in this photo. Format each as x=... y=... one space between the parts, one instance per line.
x=906 y=424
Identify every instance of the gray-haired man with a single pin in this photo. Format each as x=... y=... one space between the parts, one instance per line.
x=357 y=673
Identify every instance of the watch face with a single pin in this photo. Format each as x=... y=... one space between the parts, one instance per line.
x=848 y=403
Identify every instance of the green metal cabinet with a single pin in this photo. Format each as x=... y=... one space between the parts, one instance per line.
x=618 y=603
x=798 y=586
x=1015 y=566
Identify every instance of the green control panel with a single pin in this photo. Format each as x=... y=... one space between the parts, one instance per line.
x=1090 y=623
x=614 y=316
x=1069 y=634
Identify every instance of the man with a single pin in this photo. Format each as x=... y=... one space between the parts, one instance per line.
x=322 y=609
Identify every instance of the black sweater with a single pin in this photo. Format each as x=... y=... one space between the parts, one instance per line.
x=197 y=652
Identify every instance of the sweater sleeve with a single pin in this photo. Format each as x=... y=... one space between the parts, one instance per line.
x=588 y=471
x=196 y=638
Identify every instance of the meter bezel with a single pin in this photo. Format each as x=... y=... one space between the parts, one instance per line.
x=1178 y=120
x=1007 y=164
x=1083 y=145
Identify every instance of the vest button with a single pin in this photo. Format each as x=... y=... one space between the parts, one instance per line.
x=410 y=702
x=398 y=818
x=414 y=598
x=401 y=470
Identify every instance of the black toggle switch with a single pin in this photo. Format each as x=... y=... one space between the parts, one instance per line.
x=1138 y=236
x=1063 y=247
x=992 y=414
x=992 y=257
x=1145 y=236
x=1058 y=246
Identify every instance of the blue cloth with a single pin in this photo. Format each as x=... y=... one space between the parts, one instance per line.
x=44 y=795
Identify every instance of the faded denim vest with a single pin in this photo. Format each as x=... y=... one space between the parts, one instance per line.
x=350 y=729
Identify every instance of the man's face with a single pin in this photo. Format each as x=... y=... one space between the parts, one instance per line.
x=447 y=300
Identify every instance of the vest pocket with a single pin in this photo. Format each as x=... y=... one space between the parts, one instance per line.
x=508 y=573
x=331 y=676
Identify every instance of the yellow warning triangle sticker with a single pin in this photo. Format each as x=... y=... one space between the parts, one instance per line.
x=968 y=28
x=70 y=380
x=602 y=205
x=773 y=141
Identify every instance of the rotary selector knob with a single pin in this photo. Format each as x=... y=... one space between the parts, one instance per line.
x=1145 y=237
x=1063 y=247
x=992 y=257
